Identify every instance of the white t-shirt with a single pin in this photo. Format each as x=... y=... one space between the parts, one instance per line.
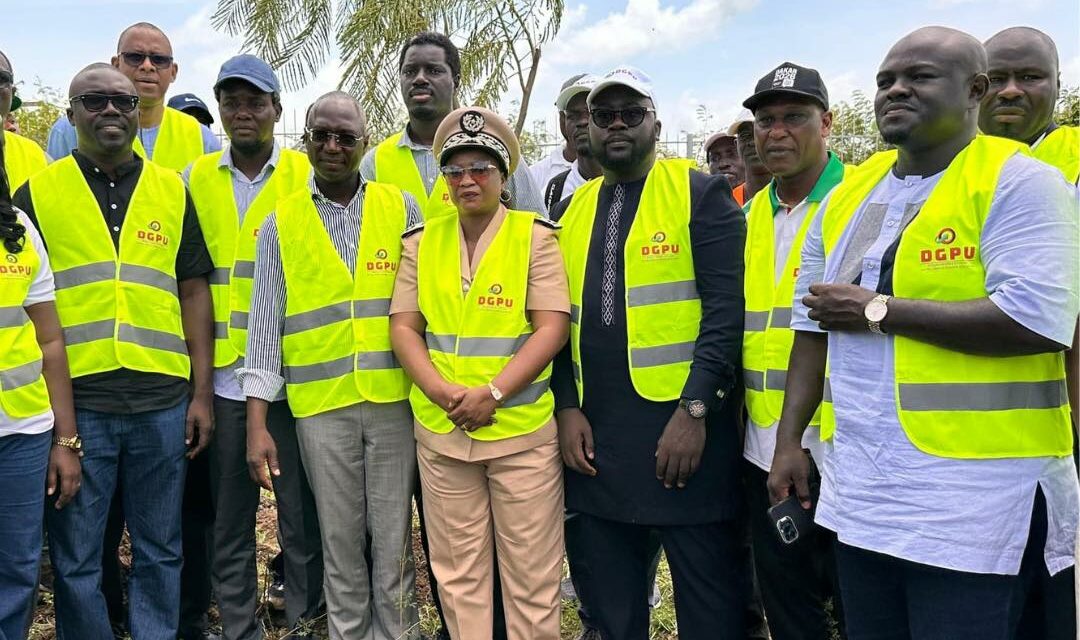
x=41 y=290
x=760 y=442
x=547 y=168
x=879 y=491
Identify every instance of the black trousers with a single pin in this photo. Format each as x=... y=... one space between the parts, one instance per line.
x=197 y=523
x=886 y=598
x=797 y=580
x=610 y=562
x=237 y=500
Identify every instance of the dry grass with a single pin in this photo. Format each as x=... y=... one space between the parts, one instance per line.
x=662 y=627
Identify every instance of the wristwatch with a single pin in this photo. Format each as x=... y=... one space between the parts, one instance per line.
x=495 y=393
x=875 y=312
x=696 y=408
x=74 y=443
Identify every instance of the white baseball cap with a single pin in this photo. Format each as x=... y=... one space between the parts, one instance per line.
x=714 y=138
x=625 y=76
x=582 y=83
x=743 y=117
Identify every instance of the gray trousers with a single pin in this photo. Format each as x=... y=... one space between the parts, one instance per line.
x=361 y=463
x=237 y=499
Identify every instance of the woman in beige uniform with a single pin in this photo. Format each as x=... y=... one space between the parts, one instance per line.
x=480 y=308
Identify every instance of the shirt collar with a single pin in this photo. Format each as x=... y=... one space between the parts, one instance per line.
x=829 y=178
x=407 y=141
x=88 y=167
x=318 y=196
x=227 y=159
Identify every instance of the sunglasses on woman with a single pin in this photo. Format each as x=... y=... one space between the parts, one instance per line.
x=478 y=171
x=95 y=102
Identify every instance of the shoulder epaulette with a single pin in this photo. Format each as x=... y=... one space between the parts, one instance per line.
x=547 y=222
x=411 y=230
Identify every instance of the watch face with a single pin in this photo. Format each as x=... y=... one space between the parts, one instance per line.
x=696 y=408
x=875 y=310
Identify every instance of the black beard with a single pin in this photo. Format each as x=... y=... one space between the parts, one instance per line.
x=246 y=148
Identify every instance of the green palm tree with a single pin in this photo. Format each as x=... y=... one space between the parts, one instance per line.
x=501 y=41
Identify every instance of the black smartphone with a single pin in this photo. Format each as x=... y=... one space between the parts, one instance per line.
x=791 y=520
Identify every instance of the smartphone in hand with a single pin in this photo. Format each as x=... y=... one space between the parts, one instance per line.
x=791 y=520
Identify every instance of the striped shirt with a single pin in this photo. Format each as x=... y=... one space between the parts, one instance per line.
x=261 y=375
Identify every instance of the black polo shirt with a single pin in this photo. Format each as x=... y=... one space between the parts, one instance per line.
x=627 y=427
x=123 y=390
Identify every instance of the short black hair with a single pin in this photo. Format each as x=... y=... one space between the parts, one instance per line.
x=139 y=26
x=441 y=40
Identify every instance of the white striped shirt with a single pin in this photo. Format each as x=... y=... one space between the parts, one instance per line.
x=261 y=376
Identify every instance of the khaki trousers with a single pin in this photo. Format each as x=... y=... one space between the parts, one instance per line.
x=515 y=502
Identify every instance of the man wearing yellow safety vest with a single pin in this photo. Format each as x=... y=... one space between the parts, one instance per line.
x=936 y=294
x=169 y=137
x=647 y=425
x=22 y=156
x=130 y=266
x=792 y=121
x=430 y=71
x=324 y=272
x=234 y=190
x=1025 y=82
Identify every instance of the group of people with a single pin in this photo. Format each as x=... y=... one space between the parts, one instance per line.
x=884 y=346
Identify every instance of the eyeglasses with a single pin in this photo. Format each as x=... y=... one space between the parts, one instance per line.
x=630 y=116
x=95 y=102
x=478 y=172
x=135 y=59
x=321 y=136
x=6 y=79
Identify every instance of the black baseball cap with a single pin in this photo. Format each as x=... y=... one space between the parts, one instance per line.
x=789 y=79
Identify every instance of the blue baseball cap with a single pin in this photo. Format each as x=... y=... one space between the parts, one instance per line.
x=250 y=69
x=187 y=101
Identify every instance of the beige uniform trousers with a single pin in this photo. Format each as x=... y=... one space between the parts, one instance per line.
x=514 y=501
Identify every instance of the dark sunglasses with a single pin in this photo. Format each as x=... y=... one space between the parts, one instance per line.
x=135 y=59
x=95 y=102
x=478 y=171
x=630 y=116
x=6 y=79
x=320 y=136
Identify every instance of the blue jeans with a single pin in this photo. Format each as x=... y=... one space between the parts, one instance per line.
x=23 y=462
x=147 y=451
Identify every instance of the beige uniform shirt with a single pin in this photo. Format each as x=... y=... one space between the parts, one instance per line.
x=547 y=291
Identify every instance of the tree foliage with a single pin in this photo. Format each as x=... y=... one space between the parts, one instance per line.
x=1068 y=107
x=500 y=42
x=37 y=118
x=854 y=135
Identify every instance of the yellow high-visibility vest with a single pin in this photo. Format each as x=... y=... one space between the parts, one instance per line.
x=472 y=337
x=953 y=404
x=336 y=338
x=663 y=310
x=22 y=387
x=767 y=334
x=179 y=141
x=116 y=310
x=1061 y=149
x=394 y=165
x=232 y=245
x=22 y=159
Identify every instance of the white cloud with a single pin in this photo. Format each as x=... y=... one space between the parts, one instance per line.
x=643 y=26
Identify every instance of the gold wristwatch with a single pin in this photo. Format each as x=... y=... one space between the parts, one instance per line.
x=74 y=443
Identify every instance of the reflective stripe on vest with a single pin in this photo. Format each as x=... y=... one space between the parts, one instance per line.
x=953 y=404
x=336 y=339
x=233 y=243
x=394 y=164
x=472 y=337
x=179 y=141
x=1061 y=148
x=663 y=311
x=22 y=388
x=116 y=311
x=767 y=334
x=22 y=159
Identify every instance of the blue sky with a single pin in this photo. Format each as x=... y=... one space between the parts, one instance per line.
x=698 y=52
